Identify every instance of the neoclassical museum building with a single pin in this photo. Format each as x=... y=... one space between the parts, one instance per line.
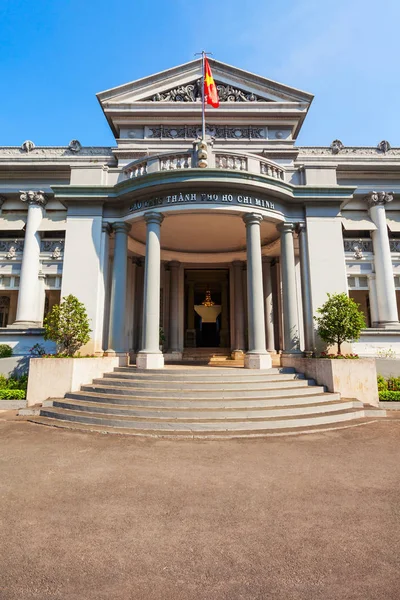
x=177 y=244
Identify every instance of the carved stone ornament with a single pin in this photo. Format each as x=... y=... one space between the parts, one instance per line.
x=336 y=146
x=11 y=254
x=192 y=93
x=55 y=247
x=215 y=131
x=28 y=146
x=75 y=146
x=55 y=151
x=31 y=197
x=348 y=150
x=374 y=198
x=384 y=146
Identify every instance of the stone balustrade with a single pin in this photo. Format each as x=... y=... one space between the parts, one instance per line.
x=216 y=159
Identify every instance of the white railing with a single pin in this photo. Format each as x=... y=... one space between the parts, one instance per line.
x=234 y=161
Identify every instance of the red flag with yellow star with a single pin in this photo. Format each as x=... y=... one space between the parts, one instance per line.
x=210 y=89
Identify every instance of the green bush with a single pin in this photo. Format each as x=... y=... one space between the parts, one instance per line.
x=67 y=324
x=382 y=383
x=17 y=383
x=341 y=320
x=393 y=384
x=6 y=394
x=5 y=351
x=384 y=396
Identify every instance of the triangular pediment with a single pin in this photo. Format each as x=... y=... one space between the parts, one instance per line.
x=183 y=84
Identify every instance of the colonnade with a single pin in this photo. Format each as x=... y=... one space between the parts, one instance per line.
x=260 y=319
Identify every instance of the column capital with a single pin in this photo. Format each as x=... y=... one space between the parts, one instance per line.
x=267 y=259
x=153 y=217
x=106 y=227
x=301 y=227
x=286 y=227
x=174 y=264
x=238 y=264
x=376 y=198
x=121 y=227
x=37 y=198
x=252 y=218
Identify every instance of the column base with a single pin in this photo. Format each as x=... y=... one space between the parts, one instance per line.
x=173 y=355
x=26 y=325
x=257 y=361
x=146 y=360
x=387 y=325
x=237 y=354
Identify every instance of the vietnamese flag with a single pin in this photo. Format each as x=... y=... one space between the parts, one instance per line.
x=210 y=89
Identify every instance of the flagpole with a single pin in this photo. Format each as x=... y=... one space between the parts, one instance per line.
x=203 y=108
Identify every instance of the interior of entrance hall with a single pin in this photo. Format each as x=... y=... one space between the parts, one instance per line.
x=207 y=308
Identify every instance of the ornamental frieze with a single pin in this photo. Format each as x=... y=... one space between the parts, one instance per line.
x=349 y=151
x=56 y=152
x=192 y=93
x=216 y=131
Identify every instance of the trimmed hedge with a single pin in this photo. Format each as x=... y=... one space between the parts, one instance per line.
x=5 y=351
x=6 y=394
x=389 y=396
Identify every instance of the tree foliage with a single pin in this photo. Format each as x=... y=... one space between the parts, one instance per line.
x=341 y=320
x=67 y=324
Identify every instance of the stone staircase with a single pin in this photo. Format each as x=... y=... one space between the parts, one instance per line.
x=203 y=402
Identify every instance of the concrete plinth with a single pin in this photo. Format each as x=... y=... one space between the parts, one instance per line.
x=147 y=360
x=257 y=361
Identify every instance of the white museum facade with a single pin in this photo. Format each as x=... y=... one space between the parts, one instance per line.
x=232 y=242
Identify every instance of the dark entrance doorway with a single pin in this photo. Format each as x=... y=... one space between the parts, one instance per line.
x=206 y=308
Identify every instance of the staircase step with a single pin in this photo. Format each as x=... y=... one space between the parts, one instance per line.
x=130 y=379
x=296 y=388
x=182 y=403
x=220 y=435
x=184 y=386
x=204 y=426
x=191 y=414
x=203 y=373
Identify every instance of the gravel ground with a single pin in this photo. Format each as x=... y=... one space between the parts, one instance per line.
x=91 y=517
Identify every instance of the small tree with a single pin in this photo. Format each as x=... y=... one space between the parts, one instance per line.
x=341 y=320
x=67 y=324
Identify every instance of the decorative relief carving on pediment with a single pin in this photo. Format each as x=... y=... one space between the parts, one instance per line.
x=216 y=131
x=192 y=93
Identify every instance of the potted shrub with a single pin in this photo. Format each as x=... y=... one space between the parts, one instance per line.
x=340 y=320
x=52 y=376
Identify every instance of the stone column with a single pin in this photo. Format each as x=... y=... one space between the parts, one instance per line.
x=257 y=356
x=190 y=332
x=289 y=296
x=174 y=309
x=268 y=304
x=224 y=334
x=308 y=318
x=150 y=357
x=373 y=300
x=387 y=306
x=240 y=343
x=103 y=280
x=27 y=310
x=41 y=296
x=116 y=337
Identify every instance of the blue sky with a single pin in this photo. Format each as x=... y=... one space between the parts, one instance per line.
x=56 y=54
